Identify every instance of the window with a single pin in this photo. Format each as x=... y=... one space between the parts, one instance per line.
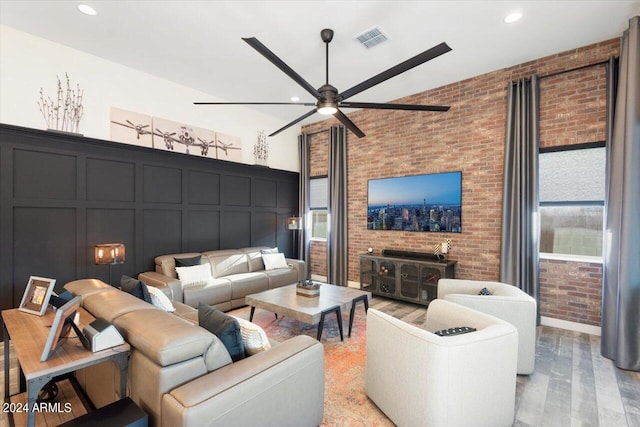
x=318 y=205
x=572 y=186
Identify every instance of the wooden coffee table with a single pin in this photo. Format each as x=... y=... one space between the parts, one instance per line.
x=312 y=310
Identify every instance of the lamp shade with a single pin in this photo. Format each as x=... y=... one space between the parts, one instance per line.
x=110 y=253
x=294 y=223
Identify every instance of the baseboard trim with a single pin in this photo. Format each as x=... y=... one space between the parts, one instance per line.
x=571 y=326
x=350 y=283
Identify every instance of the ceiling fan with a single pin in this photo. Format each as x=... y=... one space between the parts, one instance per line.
x=329 y=101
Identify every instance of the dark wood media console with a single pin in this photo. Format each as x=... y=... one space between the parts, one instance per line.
x=411 y=278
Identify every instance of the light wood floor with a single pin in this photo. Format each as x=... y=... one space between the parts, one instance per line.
x=573 y=385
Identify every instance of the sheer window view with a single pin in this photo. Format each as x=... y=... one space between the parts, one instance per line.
x=572 y=185
x=318 y=206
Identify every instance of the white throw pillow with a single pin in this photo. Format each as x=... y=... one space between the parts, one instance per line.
x=160 y=300
x=194 y=275
x=253 y=337
x=273 y=261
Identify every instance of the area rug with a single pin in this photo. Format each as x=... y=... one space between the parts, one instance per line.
x=345 y=400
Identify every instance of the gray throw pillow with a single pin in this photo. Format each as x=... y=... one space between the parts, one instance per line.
x=188 y=262
x=224 y=327
x=135 y=287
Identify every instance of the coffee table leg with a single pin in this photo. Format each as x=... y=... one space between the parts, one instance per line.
x=253 y=310
x=338 y=312
x=353 y=309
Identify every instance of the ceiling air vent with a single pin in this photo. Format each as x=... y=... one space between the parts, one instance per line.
x=372 y=37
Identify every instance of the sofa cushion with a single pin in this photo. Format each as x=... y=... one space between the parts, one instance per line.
x=112 y=304
x=188 y=261
x=274 y=261
x=247 y=284
x=163 y=338
x=254 y=256
x=86 y=287
x=215 y=291
x=135 y=287
x=227 y=262
x=194 y=275
x=281 y=277
x=224 y=327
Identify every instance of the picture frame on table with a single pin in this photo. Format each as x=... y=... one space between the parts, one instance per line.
x=36 y=295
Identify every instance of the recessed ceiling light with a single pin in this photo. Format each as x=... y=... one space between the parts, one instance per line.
x=512 y=17
x=87 y=10
x=295 y=99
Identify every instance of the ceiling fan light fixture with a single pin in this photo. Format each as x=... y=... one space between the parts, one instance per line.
x=327 y=108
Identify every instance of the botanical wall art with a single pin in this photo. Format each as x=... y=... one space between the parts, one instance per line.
x=65 y=111
x=154 y=132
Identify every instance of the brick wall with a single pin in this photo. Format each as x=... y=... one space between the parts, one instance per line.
x=571 y=291
x=470 y=138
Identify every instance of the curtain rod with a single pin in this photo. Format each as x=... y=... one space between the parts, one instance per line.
x=317 y=132
x=573 y=69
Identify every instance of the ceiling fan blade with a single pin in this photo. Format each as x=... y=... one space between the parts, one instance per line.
x=299 y=119
x=421 y=58
x=349 y=124
x=388 y=106
x=264 y=51
x=309 y=104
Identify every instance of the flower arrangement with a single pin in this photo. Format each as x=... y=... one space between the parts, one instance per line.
x=63 y=113
x=261 y=149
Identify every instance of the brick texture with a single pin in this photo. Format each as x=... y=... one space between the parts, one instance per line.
x=470 y=138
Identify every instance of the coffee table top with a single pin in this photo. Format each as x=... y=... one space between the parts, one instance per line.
x=286 y=302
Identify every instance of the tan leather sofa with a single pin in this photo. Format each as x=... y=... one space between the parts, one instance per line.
x=236 y=273
x=182 y=375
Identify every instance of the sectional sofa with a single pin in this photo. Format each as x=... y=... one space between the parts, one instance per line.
x=235 y=273
x=182 y=375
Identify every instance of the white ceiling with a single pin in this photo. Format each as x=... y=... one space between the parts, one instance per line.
x=198 y=43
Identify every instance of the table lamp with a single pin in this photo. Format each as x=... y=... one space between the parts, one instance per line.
x=111 y=254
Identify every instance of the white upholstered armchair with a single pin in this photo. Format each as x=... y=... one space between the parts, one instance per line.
x=506 y=302
x=420 y=379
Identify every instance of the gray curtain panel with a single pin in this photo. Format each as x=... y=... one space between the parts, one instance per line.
x=304 y=235
x=519 y=252
x=337 y=233
x=621 y=282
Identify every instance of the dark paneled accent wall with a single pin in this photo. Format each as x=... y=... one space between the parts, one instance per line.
x=63 y=194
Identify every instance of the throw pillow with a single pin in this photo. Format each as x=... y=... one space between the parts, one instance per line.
x=224 y=327
x=135 y=287
x=188 y=262
x=458 y=330
x=485 y=291
x=269 y=251
x=254 y=338
x=195 y=274
x=273 y=261
x=160 y=300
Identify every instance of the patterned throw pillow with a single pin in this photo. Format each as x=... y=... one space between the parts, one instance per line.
x=485 y=291
x=254 y=338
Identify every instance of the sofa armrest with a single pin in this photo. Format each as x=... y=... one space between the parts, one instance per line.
x=159 y=280
x=300 y=266
x=281 y=386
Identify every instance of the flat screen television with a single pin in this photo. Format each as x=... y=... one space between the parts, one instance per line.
x=430 y=202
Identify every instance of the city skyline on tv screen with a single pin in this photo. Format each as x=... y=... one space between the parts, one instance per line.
x=430 y=202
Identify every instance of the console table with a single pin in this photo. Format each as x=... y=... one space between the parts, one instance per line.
x=28 y=334
x=404 y=278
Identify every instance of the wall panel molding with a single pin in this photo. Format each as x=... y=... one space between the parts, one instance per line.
x=62 y=194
